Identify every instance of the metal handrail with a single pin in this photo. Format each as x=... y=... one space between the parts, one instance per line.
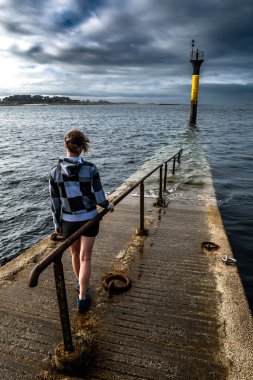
x=56 y=255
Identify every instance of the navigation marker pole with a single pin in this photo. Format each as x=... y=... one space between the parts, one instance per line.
x=196 y=59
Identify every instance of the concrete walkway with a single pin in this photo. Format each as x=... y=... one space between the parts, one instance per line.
x=171 y=324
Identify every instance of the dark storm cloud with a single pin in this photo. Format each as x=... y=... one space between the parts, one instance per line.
x=152 y=37
x=16 y=28
x=127 y=55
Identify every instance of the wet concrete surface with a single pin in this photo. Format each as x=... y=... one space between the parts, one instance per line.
x=168 y=325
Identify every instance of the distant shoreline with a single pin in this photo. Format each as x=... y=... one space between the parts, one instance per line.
x=12 y=104
x=73 y=103
x=41 y=100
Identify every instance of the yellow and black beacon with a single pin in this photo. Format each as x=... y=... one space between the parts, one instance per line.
x=197 y=57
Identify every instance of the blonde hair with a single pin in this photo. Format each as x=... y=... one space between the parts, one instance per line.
x=76 y=139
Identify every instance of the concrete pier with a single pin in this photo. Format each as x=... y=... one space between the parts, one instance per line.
x=185 y=316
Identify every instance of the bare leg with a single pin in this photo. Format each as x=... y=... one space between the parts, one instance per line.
x=85 y=264
x=75 y=252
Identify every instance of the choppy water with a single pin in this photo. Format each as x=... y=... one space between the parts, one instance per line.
x=126 y=139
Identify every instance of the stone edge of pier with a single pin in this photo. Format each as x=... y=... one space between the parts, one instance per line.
x=234 y=308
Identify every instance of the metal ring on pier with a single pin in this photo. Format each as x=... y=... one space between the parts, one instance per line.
x=210 y=246
x=110 y=279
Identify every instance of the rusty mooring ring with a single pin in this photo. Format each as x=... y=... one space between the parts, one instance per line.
x=116 y=288
x=210 y=246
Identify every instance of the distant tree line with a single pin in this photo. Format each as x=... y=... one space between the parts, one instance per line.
x=40 y=99
x=29 y=99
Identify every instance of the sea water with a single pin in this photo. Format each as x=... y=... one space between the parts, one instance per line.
x=127 y=139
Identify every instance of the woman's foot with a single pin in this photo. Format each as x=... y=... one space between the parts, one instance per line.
x=77 y=287
x=83 y=305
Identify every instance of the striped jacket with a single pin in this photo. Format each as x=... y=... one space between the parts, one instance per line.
x=75 y=188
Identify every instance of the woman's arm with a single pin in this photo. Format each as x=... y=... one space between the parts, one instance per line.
x=99 y=191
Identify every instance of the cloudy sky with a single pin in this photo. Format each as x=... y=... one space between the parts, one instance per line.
x=127 y=49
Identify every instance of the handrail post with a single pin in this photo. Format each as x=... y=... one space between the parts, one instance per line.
x=160 y=202
x=161 y=182
x=179 y=156
x=142 y=231
x=165 y=176
x=174 y=165
x=63 y=305
x=142 y=206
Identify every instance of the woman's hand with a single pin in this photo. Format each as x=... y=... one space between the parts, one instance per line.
x=110 y=207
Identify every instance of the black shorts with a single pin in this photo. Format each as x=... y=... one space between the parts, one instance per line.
x=68 y=228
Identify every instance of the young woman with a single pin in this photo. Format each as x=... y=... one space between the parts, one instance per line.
x=76 y=190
